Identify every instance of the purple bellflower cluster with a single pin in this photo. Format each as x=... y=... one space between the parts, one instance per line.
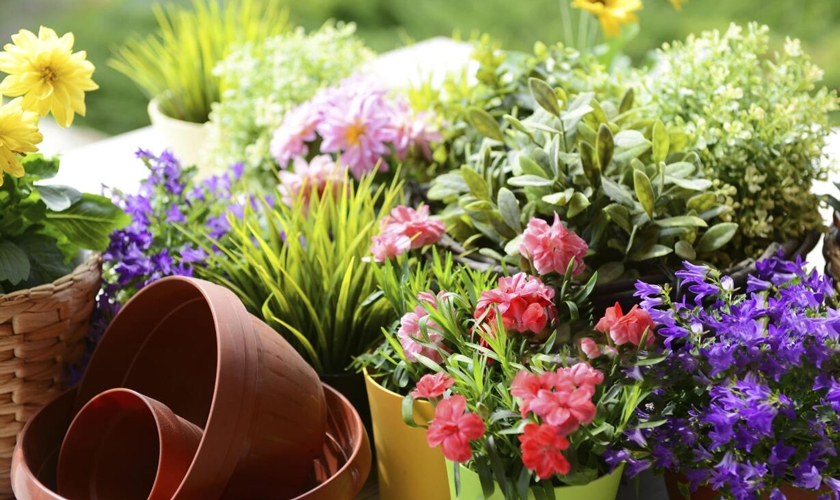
x=750 y=394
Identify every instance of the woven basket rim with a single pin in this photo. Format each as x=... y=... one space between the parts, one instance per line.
x=92 y=262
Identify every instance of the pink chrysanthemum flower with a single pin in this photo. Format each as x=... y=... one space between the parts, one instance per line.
x=291 y=138
x=311 y=177
x=357 y=125
x=433 y=386
x=552 y=248
x=453 y=428
x=412 y=129
x=542 y=447
x=627 y=328
x=389 y=245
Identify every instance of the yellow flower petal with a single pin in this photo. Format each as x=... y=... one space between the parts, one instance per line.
x=46 y=72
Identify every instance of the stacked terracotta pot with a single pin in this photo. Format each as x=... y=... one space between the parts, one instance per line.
x=190 y=397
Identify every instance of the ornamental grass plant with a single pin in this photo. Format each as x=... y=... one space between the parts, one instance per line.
x=300 y=267
x=750 y=397
x=177 y=64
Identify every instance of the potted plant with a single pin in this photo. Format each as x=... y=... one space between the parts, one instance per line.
x=48 y=276
x=479 y=350
x=748 y=406
x=723 y=91
x=298 y=263
x=176 y=67
x=263 y=81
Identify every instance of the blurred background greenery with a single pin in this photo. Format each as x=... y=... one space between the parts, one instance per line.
x=101 y=25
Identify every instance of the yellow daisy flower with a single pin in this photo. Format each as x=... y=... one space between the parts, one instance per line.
x=47 y=73
x=611 y=13
x=18 y=135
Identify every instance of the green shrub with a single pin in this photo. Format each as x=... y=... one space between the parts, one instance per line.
x=757 y=122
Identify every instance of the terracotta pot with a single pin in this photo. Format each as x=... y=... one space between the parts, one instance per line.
x=125 y=445
x=344 y=465
x=185 y=139
x=352 y=386
x=339 y=473
x=672 y=481
x=36 y=454
x=192 y=346
x=603 y=488
x=408 y=468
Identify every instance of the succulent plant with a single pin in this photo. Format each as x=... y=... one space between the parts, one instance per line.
x=621 y=181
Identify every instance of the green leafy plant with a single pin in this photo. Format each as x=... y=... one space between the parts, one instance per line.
x=758 y=123
x=619 y=180
x=176 y=65
x=44 y=227
x=302 y=269
x=266 y=79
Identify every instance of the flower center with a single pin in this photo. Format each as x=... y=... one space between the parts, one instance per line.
x=48 y=74
x=354 y=132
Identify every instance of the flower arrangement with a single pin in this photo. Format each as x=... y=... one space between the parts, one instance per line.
x=359 y=123
x=264 y=81
x=758 y=122
x=749 y=399
x=204 y=35
x=526 y=395
x=623 y=183
x=300 y=267
x=43 y=227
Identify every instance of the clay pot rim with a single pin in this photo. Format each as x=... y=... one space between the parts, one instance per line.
x=151 y=410
x=236 y=388
x=359 y=430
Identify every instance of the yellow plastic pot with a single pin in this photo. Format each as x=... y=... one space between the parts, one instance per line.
x=408 y=468
x=603 y=488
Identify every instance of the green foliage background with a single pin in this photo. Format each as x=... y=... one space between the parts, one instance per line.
x=101 y=25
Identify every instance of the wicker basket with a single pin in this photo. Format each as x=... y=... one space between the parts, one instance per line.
x=41 y=329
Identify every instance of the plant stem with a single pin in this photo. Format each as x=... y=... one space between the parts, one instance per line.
x=594 y=27
x=583 y=27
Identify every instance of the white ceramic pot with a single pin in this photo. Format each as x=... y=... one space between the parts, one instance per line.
x=187 y=140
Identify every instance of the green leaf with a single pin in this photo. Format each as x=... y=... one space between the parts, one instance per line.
x=588 y=161
x=509 y=209
x=530 y=167
x=685 y=251
x=690 y=184
x=701 y=202
x=610 y=271
x=661 y=142
x=644 y=191
x=626 y=101
x=39 y=168
x=14 y=264
x=617 y=192
x=605 y=146
x=651 y=253
x=89 y=222
x=682 y=221
x=544 y=95
x=530 y=180
x=447 y=185
x=476 y=183
x=620 y=215
x=407 y=409
x=560 y=199
x=58 y=198
x=577 y=204
x=716 y=237
x=518 y=125
x=629 y=144
x=485 y=124
x=681 y=169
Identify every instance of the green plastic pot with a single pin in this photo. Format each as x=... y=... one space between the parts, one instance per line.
x=603 y=488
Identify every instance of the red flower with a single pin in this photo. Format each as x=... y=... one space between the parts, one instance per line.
x=566 y=410
x=552 y=248
x=525 y=303
x=433 y=386
x=627 y=328
x=453 y=428
x=527 y=386
x=541 y=450
x=583 y=374
x=415 y=224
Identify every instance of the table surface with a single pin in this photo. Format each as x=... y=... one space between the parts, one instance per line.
x=88 y=166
